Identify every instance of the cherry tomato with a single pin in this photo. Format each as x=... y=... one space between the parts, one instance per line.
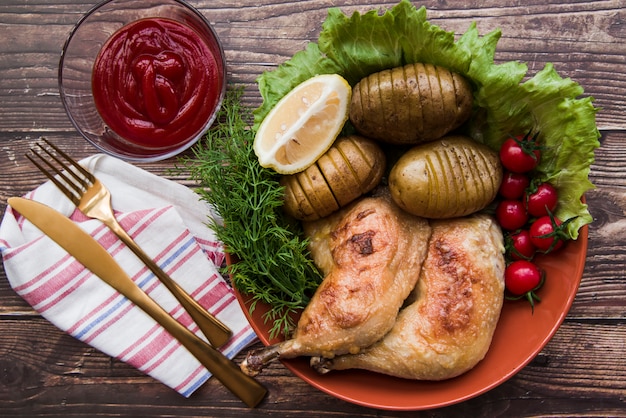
x=542 y=201
x=519 y=246
x=520 y=154
x=513 y=185
x=547 y=234
x=511 y=214
x=521 y=277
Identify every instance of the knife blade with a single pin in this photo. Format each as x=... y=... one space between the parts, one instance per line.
x=95 y=258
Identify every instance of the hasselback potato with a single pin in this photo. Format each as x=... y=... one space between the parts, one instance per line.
x=450 y=177
x=350 y=168
x=410 y=104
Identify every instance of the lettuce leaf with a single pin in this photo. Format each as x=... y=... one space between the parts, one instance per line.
x=507 y=101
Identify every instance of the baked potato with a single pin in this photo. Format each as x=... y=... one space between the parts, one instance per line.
x=353 y=166
x=410 y=104
x=451 y=177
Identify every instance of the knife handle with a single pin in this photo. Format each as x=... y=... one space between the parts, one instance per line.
x=216 y=331
x=245 y=387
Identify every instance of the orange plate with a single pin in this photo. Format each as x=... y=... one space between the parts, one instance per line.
x=519 y=337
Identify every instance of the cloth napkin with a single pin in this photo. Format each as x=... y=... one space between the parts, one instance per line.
x=168 y=221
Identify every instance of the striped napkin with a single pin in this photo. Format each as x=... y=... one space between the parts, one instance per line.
x=168 y=221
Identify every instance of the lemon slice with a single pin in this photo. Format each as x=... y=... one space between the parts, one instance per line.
x=303 y=124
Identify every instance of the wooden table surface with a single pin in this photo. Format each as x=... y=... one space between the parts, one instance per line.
x=581 y=371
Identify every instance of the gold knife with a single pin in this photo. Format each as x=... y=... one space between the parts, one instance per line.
x=94 y=257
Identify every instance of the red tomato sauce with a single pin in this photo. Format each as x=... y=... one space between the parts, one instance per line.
x=155 y=83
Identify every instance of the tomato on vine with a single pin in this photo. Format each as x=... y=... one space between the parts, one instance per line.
x=541 y=200
x=513 y=185
x=519 y=245
x=511 y=214
x=548 y=233
x=520 y=154
x=522 y=279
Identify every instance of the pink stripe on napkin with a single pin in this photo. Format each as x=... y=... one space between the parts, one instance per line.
x=79 y=303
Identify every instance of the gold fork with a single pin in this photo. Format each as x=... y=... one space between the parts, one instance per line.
x=94 y=200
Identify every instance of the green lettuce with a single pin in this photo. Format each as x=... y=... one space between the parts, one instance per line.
x=507 y=101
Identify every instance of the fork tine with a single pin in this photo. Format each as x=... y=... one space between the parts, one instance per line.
x=78 y=184
x=85 y=181
x=79 y=187
x=67 y=192
x=73 y=162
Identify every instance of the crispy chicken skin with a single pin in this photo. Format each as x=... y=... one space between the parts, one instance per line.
x=448 y=327
x=371 y=254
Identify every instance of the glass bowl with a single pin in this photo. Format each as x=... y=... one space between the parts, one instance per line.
x=142 y=80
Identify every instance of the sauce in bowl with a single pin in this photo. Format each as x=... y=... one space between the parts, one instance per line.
x=156 y=83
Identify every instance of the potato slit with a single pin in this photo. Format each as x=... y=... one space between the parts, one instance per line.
x=330 y=171
x=431 y=183
x=356 y=107
x=305 y=209
x=312 y=200
x=463 y=103
x=402 y=88
x=456 y=192
x=393 y=101
x=473 y=182
x=381 y=120
x=457 y=96
x=417 y=111
x=442 y=181
x=448 y=95
x=344 y=165
x=417 y=108
x=456 y=167
x=424 y=100
x=485 y=165
x=436 y=103
x=385 y=89
x=330 y=179
x=439 y=99
x=351 y=163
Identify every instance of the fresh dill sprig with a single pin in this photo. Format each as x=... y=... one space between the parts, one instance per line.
x=273 y=264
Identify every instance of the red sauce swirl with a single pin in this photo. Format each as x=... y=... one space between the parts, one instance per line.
x=155 y=83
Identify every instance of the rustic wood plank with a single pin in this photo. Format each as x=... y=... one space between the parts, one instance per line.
x=48 y=372
x=601 y=286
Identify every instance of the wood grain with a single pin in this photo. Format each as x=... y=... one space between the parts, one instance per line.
x=582 y=370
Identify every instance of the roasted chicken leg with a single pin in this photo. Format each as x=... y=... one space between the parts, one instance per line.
x=371 y=254
x=448 y=327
